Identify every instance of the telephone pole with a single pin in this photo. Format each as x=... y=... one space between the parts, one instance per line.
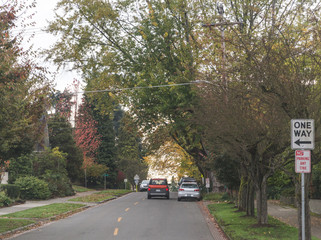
x=222 y=26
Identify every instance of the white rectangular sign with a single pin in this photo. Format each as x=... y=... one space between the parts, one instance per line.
x=302 y=134
x=302 y=161
x=207 y=183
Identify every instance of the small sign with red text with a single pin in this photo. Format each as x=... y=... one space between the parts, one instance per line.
x=302 y=161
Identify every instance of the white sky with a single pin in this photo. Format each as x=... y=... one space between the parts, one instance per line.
x=44 y=12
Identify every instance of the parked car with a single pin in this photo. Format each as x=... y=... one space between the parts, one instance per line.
x=189 y=190
x=158 y=187
x=186 y=179
x=143 y=185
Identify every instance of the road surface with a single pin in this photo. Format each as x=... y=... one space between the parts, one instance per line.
x=132 y=216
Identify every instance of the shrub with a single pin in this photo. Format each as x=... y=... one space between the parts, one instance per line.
x=12 y=190
x=59 y=184
x=33 y=188
x=4 y=200
x=21 y=167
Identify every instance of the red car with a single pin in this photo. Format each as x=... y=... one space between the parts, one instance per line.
x=158 y=187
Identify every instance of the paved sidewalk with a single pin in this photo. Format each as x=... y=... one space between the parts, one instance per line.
x=289 y=215
x=32 y=204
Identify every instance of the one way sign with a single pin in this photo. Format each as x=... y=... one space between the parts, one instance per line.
x=302 y=134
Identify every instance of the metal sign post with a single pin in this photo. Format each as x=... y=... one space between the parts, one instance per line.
x=303 y=165
x=303 y=206
x=302 y=137
x=125 y=181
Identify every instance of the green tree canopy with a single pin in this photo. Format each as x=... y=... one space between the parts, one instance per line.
x=23 y=90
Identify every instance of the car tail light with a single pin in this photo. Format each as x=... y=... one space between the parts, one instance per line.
x=167 y=189
x=148 y=189
x=196 y=190
x=181 y=189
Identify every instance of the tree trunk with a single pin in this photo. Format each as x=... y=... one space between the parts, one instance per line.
x=250 y=210
x=261 y=201
x=242 y=195
x=307 y=219
x=246 y=196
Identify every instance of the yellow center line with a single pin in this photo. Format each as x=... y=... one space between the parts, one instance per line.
x=126 y=210
x=116 y=232
x=135 y=203
x=119 y=219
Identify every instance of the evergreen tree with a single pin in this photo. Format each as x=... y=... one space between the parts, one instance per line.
x=106 y=152
x=60 y=134
x=130 y=159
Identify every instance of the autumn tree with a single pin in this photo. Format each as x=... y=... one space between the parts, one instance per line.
x=23 y=90
x=128 y=47
x=273 y=73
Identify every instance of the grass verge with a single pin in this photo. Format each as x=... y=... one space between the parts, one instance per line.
x=239 y=227
x=213 y=197
x=81 y=189
x=101 y=196
x=12 y=224
x=45 y=211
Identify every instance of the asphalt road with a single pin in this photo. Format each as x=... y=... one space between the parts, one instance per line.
x=133 y=217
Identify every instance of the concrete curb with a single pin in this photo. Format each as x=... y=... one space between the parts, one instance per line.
x=214 y=227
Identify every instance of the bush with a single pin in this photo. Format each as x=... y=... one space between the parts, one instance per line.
x=21 y=167
x=5 y=200
x=59 y=184
x=33 y=188
x=12 y=190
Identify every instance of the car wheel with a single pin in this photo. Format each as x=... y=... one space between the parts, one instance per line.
x=149 y=196
x=168 y=197
x=178 y=199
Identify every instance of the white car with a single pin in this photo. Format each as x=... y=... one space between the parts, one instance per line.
x=144 y=185
x=189 y=190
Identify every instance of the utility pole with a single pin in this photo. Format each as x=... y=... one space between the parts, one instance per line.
x=222 y=26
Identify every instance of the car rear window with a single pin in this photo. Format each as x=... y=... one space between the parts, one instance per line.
x=158 y=182
x=189 y=185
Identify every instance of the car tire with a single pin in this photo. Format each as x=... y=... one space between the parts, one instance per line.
x=178 y=199
x=167 y=197
x=149 y=196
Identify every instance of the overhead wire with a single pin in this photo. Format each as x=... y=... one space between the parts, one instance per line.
x=136 y=88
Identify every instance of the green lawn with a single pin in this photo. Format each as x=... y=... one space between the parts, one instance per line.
x=239 y=227
x=45 y=211
x=11 y=224
x=213 y=197
x=101 y=196
x=81 y=189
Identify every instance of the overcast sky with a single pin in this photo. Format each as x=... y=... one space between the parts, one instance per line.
x=44 y=12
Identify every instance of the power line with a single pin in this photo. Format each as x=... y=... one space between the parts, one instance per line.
x=136 y=88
